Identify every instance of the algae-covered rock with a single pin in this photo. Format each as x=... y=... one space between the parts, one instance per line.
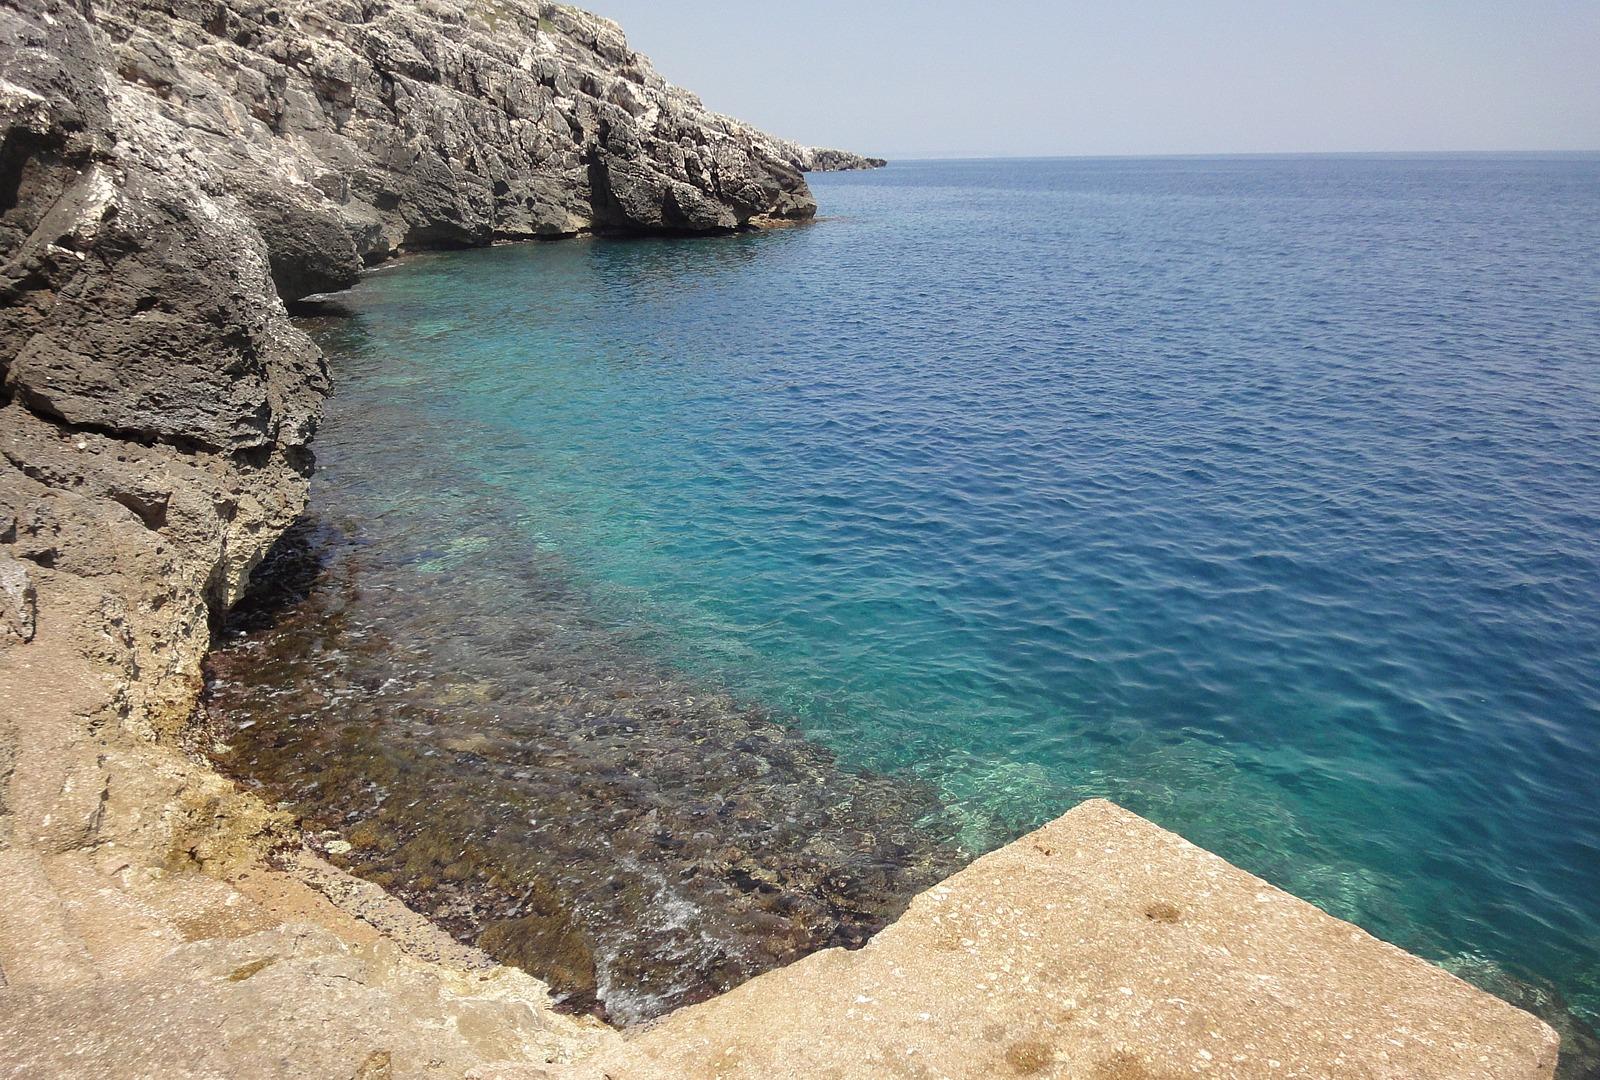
x=548 y=943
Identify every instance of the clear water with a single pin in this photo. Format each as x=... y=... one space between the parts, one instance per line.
x=1259 y=495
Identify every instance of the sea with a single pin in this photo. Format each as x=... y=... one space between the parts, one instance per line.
x=672 y=607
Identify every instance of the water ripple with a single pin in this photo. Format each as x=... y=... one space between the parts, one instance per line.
x=1260 y=495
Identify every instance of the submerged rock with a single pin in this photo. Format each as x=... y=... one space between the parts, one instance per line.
x=543 y=790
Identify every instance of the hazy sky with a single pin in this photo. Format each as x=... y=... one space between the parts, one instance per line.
x=1130 y=77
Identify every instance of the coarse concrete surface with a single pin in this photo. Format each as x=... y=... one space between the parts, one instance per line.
x=1101 y=946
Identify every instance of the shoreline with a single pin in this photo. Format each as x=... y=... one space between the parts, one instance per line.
x=174 y=191
x=637 y=838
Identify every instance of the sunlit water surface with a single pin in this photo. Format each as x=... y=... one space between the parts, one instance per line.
x=1259 y=495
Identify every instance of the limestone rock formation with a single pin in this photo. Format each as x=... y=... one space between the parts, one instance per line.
x=818 y=159
x=155 y=402
x=350 y=130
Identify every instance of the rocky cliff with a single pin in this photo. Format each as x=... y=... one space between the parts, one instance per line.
x=171 y=172
x=347 y=131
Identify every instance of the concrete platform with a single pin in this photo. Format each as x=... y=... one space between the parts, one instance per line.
x=1104 y=947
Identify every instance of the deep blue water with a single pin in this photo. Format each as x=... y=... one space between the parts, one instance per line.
x=1260 y=495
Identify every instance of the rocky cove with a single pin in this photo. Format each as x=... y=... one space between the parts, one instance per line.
x=174 y=178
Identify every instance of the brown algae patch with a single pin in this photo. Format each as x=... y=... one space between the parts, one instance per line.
x=1162 y=912
x=244 y=971
x=1029 y=1057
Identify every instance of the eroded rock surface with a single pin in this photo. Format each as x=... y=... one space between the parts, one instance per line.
x=821 y=160
x=348 y=131
x=155 y=401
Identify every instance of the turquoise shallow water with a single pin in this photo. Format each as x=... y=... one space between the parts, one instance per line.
x=1260 y=495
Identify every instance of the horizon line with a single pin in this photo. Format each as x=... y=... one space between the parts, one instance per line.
x=1203 y=155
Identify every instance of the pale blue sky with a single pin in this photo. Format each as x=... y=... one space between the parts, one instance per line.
x=1159 y=77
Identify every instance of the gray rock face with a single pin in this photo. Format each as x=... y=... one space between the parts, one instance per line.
x=156 y=404
x=817 y=159
x=18 y=600
x=349 y=131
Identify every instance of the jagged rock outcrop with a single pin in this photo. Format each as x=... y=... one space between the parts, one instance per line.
x=155 y=402
x=819 y=159
x=350 y=130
